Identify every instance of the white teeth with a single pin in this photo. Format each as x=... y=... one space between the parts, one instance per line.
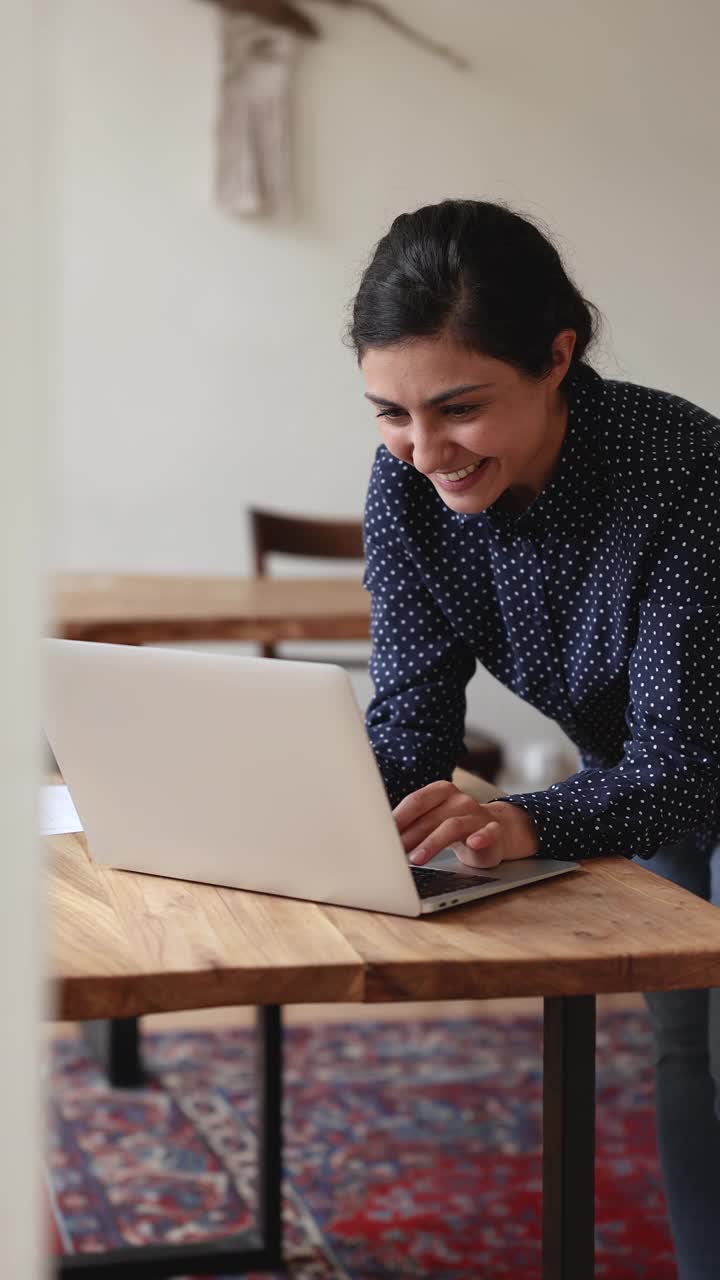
x=460 y=475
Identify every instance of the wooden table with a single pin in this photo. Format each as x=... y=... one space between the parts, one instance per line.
x=124 y=944
x=153 y=609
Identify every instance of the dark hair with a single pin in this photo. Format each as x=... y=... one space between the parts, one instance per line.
x=479 y=272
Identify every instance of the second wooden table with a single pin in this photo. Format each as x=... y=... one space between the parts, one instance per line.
x=157 y=609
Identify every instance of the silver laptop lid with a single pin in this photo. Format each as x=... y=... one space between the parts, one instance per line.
x=249 y=772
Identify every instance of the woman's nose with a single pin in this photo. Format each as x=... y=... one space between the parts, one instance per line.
x=429 y=450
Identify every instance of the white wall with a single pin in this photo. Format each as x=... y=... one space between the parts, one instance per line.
x=22 y=500
x=201 y=368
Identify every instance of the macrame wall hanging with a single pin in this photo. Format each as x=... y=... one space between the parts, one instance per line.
x=259 y=41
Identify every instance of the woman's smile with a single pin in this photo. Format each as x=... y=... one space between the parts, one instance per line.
x=464 y=478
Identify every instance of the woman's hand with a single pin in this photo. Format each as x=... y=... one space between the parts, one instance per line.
x=440 y=815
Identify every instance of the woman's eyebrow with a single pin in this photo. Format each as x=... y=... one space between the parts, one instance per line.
x=438 y=399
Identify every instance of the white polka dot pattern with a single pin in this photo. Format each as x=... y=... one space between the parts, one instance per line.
x=599 y=604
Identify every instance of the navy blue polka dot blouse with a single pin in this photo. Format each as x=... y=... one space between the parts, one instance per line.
x=599 y=604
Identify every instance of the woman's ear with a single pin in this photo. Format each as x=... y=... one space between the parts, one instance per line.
x=562 y=352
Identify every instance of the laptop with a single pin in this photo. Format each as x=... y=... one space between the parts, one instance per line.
x=254 y=773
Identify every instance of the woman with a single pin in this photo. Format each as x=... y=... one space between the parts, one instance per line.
x=564 y=530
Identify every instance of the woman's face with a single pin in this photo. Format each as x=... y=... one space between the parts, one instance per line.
x=473 y=425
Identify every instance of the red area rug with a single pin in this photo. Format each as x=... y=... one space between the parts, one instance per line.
x=412 y=1149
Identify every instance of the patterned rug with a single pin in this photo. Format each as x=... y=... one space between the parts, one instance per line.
x=412 y=1149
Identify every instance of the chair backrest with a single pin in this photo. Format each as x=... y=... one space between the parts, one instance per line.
x=296 y=535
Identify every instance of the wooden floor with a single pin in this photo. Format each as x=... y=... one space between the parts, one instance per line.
x=320 y=1013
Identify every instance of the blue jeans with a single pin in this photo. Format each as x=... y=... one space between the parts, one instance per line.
x=686 y=1027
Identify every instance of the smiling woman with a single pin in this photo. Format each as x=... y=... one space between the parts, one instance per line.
x=465 y=325
x=564 y=530
x=495 y=430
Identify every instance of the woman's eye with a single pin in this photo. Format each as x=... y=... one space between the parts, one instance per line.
x=449 y=410
x=460 y=410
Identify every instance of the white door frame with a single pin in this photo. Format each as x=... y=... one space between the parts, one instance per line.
x=24 y=255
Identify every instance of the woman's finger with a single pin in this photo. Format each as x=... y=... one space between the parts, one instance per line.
x=420 y=802
x=488 y=855
x=450 y=830
x=458 y=806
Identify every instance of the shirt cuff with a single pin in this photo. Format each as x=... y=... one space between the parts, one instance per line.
x=555 y=839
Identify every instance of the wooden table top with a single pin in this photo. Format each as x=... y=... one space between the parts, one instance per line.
x=148 y=608
x=125 y=944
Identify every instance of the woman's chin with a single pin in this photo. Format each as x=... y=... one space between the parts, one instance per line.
x=466 y=503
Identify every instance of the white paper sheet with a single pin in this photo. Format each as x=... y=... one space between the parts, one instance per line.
x=57 y=812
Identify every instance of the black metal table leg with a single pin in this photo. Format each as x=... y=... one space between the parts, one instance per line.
x=115 y=1044
x=270 y=1159
x=569 y=1138
x=256 y=1250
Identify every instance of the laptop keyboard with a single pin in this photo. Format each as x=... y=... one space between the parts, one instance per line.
x=429 y=881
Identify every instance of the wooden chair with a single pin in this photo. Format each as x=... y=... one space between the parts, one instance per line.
x=329 y=539
x=312 y=536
